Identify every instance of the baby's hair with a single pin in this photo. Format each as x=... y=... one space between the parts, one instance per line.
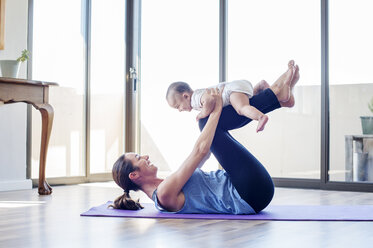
x=179 y=87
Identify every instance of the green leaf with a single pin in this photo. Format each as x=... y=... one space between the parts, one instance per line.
x=24 y=56
x=370 y=105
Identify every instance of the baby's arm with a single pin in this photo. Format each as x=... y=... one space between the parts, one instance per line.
x=208 y=105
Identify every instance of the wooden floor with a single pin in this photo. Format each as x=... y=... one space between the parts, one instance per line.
x=30 y=220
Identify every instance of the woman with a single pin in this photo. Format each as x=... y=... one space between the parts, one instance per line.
x=245 y=187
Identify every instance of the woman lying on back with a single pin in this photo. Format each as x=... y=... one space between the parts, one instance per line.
x=245 y=187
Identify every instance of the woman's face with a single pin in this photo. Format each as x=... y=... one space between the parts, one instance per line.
x=142 y=163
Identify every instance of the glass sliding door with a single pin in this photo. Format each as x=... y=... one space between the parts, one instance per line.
x=350 y=90
x=59 y=34
x=179 y=42
x=107 y=78
x=262 y=37
x=59 y=55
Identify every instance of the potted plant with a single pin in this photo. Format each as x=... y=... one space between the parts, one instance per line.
x=10 y=68
x=367 y=121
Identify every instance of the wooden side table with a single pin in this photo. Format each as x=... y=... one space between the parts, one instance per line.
x=359 y=167
x=14 y=90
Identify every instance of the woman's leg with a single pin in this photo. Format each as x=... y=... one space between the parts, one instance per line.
x=249 y=177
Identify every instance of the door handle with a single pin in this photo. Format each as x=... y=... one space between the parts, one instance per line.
x=133 y=75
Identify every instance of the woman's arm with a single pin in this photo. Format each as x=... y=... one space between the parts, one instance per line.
x=169 y=191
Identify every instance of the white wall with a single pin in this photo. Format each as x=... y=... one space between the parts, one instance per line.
x=13 y=116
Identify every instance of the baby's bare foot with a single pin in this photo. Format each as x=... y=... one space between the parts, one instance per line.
x=262 y=85
x=262 y=121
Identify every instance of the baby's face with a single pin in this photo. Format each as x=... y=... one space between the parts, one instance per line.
x=180 y=102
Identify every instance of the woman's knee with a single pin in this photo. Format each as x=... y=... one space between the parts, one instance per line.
x=265 y=198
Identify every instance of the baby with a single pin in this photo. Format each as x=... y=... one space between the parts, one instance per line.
x=237 y=93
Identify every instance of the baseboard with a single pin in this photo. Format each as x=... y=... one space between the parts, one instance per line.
x=16 y=185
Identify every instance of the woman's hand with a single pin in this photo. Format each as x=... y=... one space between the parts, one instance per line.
x=216 y=94
x=209 y=100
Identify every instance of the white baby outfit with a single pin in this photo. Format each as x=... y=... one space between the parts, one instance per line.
x=242 y=86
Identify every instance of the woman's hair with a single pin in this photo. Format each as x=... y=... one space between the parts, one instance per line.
x=179 y=87
x=121 y=170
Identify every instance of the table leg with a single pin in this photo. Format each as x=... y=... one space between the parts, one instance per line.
x=47 y=114
x=349 y=158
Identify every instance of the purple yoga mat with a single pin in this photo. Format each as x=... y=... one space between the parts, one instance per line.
x=275 y=212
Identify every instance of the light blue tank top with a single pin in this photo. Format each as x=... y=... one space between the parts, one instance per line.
x=210 y=192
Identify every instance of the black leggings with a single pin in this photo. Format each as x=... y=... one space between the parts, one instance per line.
x=249 y=177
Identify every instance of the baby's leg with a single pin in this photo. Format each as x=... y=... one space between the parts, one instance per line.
x=241 y=104
x=265 y=102
x=259 y=87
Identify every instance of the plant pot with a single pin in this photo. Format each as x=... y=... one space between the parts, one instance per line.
x=367 y=124
x=9 y=68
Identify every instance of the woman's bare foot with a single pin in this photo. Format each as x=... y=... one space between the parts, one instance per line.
x=288 y=104
x=262 y=121
x=281 y=87
x=291 y=102
x=295 y=77
x=259 y=87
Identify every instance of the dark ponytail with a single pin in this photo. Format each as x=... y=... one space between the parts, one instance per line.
x=121 y=169
x=125 y=202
